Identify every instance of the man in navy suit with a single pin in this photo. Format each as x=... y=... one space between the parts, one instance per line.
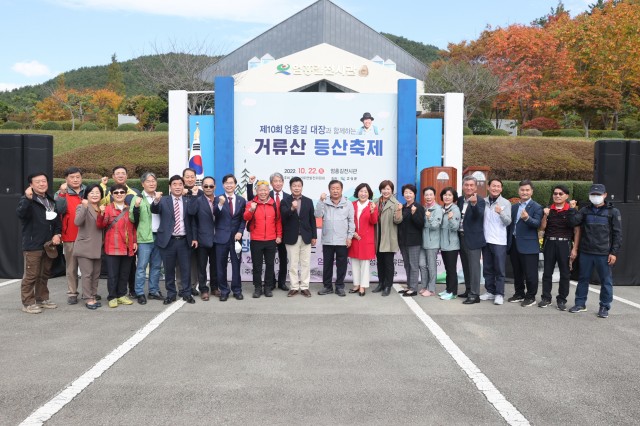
x=277 y=182
x=299 y=233
x=229 y=229
x=201 y=209
x=472 y=240
x=524 y=248
x=175 y=238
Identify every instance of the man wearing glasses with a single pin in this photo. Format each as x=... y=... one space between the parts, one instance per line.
x=558 y=235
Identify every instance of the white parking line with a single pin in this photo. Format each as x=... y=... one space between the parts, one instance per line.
x=8 y=282
x=619 y=299
x=508 y=412
x=56 y=404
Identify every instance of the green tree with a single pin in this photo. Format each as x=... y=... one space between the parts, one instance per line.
x=147 y=109
x=115 y=80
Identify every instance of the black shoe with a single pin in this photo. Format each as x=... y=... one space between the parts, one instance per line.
x=463 y=295
x=189 y=299
x=169 y=300
x=156 y=296
x=378 y=289
x=528 y=302
x=142 y=300
x=267 y=292
x=515 y=299
x=195 y=292
x=354 y=290
x=132 y=295
x=257 y=293
x=224 y=297
x=98 y=297
x=283 y=287
x=326 y=290
x=562 y=306
x=603 y=312
x=409 y=293
x=340 y=292
x=386 y=291
x=471 y=300
x=544 y=303
x=238 y=296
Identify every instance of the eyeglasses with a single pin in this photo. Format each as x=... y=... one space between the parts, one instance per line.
x=208 y=186
x=119 y=192
x=558 y=193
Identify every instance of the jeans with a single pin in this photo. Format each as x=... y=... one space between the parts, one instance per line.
x=587 y=263
x=494 y=263
x=148 y=255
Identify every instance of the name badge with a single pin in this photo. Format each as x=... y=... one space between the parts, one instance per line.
x=51 y=215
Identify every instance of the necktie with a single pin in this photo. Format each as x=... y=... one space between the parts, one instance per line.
x=231 y=205
x=278 y=200
x=177 y=228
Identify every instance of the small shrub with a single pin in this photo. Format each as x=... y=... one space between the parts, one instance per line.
x=51 y=125
x=541 y=123
x=551 y=133
x=499 y=132
x=532 y=132
x=127 y=127
x=481 y=126
x=571 y=133
x=595 y=133
x=161 y=127
x=631 y=127
x=12 y=125
x=68 y=125
x=91 y=127
x=611 y=134
x=467 y=131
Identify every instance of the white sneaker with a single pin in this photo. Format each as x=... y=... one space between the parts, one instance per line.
x=499 y=300
x=487 y=296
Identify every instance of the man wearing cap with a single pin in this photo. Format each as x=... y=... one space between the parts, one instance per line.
x=558 y=247
x=41 y=224
x=367 y=128
x=600 y=241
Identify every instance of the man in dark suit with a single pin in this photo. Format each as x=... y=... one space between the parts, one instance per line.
x=472 y=240
x=175 y=238
x=201 y=209
x=229 y=229
x=191 y=191
x=523 y=245
x=277 y=182
x=299 y=233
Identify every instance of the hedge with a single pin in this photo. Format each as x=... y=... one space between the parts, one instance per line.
x=163 y=183
x=12 y=125
x=543 y=190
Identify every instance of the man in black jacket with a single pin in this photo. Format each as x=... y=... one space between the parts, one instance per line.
x=40 y=224
x=600 y=241
x=299 y=233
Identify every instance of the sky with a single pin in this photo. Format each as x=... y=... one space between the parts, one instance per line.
x=43 y=38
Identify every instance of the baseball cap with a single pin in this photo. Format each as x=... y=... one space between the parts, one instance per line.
x=597 y=188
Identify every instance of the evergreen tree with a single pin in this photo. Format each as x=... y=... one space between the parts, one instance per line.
x=115 y=80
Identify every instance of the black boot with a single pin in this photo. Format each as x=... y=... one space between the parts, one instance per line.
x=257 y=292
x=379 y=288
x=386 y=290
x=267 y=291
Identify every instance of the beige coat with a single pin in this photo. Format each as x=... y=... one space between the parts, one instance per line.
x=89 y=241
x=387 y=226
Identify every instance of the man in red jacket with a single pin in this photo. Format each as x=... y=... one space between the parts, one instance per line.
x=68 y=198
x=266 y=232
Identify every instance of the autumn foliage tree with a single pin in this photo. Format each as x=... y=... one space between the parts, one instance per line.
x=588 y=101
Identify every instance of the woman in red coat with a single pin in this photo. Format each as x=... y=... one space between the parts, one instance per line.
x=363 y=248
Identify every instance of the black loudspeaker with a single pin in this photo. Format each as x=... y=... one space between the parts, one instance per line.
x=38 y=156
x=610 y=159
x=11 y=175
x=11 y=261
x=632 y=192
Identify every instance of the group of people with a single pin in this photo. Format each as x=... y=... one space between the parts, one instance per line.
x=195 y=233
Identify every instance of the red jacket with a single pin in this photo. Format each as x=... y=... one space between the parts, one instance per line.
x=69 y=228
x=365 y=248
x=120 y=238
x=265 y=223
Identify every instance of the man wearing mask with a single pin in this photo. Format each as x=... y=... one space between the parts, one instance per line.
x=40 y=224
x=600 y=241
x=68 y=198
x=524 y=245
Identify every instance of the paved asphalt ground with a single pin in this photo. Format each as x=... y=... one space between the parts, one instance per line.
x=323 y=361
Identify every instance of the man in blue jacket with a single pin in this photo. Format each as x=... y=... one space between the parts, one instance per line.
x=471 y=233
x=524 y=247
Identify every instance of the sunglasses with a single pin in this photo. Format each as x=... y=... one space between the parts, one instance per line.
x=119 y=192
x=208 y=186
x=558 y=193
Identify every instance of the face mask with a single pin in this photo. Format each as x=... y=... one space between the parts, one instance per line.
x=596 y=200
